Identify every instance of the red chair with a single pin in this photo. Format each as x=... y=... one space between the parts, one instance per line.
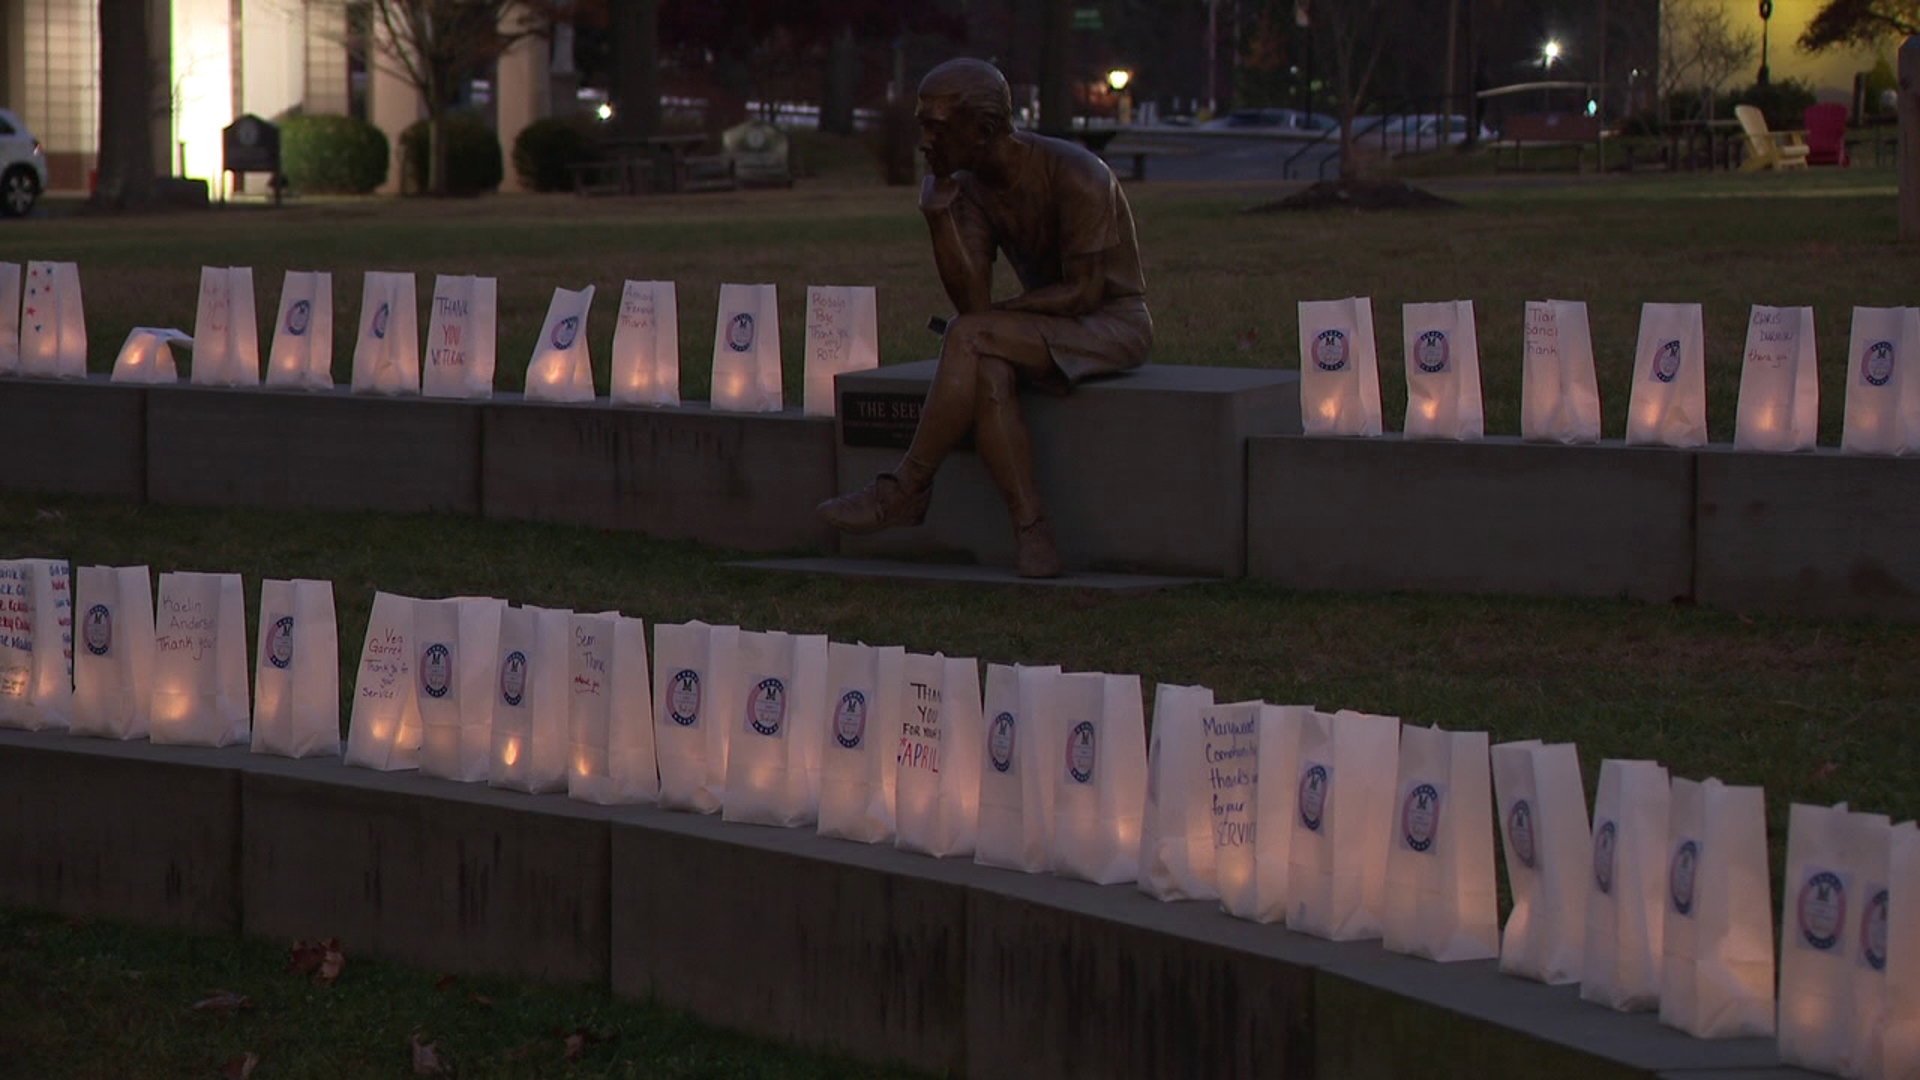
x=1826 y=134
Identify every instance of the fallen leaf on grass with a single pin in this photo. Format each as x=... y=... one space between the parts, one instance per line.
x=426 y=1058
x=305 y=958
x=223 y=1001
x=481 y=1000
x=241 y=1067
x=49 y=515
x=445 y=981
x=1826 y=770
x=330 y=964
x=321 y=959
x=578 y=1040
x=522 y=1052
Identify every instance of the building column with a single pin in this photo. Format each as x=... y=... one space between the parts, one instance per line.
x=393 y=104
x=522 y=90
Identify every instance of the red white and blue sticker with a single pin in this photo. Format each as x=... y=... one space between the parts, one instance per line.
x=1873 y=930
x=565 y=331
x=280 y=643
x=97 y=629
x=1876 y=364
x=1605 y=837
x=850 y=720
x=299 y=318
x=1666 y=361
x=740 y=332
x=767 y=707
x=513 y=678
x=1316 y=784
x=1682 y=872
x=1520 y=833
x=1000 y=742
x=1430 y=352
x=683 y=698
x=1420 y=818
x=1820 y=912
x=436 y=670
x=1081 y=752
x=1330 y=350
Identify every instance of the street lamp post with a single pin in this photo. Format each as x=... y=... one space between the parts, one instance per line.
x=1766 y=19
x=1117 y=79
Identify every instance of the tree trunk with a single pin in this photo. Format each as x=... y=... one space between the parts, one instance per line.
x=126 y=179
x=636 y=72
x=836 y=103
x=1056 y=67
x=436 y=151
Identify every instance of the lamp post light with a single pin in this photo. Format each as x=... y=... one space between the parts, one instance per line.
x=1118 y=79
x=1548 y=54
x=1766 y=19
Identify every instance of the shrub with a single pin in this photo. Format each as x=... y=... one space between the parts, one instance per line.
x=473 y=155
x=1783 y=102
x=546 y=150
x=323 y=154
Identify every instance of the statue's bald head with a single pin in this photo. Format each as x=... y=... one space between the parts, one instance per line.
x=974 y=87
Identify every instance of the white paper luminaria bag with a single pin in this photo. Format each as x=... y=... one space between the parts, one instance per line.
x=9 y=318
x=296 y=682
x=1559 y=393
x=1339 y=368
x=302 y=352
x=1440 y=899
x=461 y=327
x=456 y=641
x=113 y=663
x=1668 y=406
x=646 y=345
x=612 y=712
x=861 y=751
x=1016 y=777
x=1779 y=389
x=1832 y=993
x=1443 y=371
x=1342 y=823
x=1252 y=816
x=1542 y=803
x=1890 y=941
x=532 y=734
x=746 y=350
x=1716 y=976
x=1100 y=773
x=386 y=354
x=226 y=339
x=1883 y=390
x=696 y=667
x=1626 y=906
x=562 y=366
x=773 y=751
x=36 y=644
x=1185 y=756
x=937 y=789
x=53 y=322
x=383 y=731
x=200 y=663
x=843 y=335
x=147 y=356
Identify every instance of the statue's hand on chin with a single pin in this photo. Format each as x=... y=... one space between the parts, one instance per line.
x=937 y=194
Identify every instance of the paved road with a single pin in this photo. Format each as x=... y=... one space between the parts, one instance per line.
x=1175 y=156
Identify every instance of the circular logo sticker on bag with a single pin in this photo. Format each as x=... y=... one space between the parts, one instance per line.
x=1430 y=352
x=1681 y=874
x=1080 y=752
x=683 y=698
x=768 y=707
x=97 y=629
x=565 y=331
x=380 y=317
x=1876 y=364
x=1873 y=931
x=280 y=642
x=1666 y=361
x=1314 y=781
x=1000 y=742
x=1520 y=832
x=850 y=720
x=436 y=670
x=1330 y=350
x=1822 y=909
x=740 y=332
x=513 y=678
x=1420 y=817
x=299 y=318
x=1603 y=841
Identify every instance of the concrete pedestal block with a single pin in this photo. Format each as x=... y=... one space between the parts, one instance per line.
x=288 y=449
x=784 y=934
x=78 y=437
x=445 y=876
x=110 y=830
x=1819 y=534
x=737 y=480
x=1499 y=516
x=1141 y=472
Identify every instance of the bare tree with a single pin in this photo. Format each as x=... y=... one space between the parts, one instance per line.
x=1357 y=31
x=1860 y=22
x=1700 y=50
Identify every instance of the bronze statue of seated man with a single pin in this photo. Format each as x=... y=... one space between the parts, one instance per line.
x=1057 y=212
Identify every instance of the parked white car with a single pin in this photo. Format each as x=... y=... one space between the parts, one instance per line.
x=23 y=167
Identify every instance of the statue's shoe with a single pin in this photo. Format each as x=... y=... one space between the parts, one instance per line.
x=1037 y=556
x=885 y=503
